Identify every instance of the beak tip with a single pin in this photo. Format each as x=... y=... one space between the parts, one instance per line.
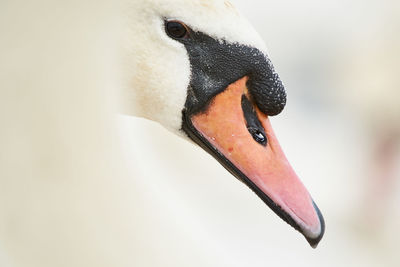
x=315 y=241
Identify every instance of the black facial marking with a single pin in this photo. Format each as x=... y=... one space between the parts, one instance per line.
x=252 y=122
x=216 y=64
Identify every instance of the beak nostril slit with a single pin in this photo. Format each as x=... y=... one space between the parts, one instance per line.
x=253 y=124
x=258 y=136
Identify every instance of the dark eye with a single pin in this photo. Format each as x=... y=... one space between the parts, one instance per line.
x=176 y=29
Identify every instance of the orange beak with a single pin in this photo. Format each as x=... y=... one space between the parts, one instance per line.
x=223 y=130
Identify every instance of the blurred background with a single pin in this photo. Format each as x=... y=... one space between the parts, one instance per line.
x=340 y=130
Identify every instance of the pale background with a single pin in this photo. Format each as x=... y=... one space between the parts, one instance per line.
x=179 y=207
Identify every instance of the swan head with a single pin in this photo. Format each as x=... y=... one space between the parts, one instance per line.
x=200 y=69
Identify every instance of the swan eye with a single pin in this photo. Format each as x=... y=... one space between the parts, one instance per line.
x=176 y=29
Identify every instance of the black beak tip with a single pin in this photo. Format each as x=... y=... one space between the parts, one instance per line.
x=315 y=241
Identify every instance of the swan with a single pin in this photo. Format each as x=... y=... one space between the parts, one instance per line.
x=198 y=68
x=184 y=64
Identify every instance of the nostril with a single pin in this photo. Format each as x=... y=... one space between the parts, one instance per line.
x=258 y=136
x=253 y=124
